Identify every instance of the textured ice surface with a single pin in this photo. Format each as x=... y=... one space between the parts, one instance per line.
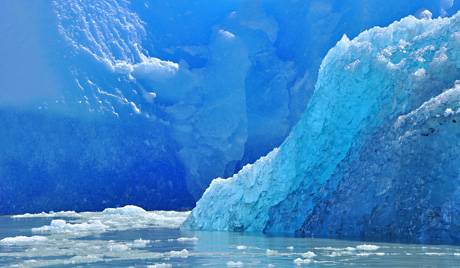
x=144 y=102
x=375 y=155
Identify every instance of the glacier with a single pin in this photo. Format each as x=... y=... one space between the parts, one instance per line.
x=116 y=102
x=375 y=155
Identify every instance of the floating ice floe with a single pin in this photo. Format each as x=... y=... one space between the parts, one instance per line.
x=23 y=240
x=184 y=239
x=270 y=252
x=111 y=219
x=235 y=264
x=300 y=261
x=367 y=247
x=308 y=255
x=160 y=265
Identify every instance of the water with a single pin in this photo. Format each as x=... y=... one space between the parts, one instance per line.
x=133 y=237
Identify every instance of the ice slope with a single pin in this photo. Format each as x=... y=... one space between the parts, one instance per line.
x=375 y=155
x=120 y=102
x=408 y=173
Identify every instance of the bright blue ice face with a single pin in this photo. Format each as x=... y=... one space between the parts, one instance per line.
x=113 y=102
x=375 y=155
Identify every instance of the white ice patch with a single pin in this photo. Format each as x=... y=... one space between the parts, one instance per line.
x=426 y=15
x=77 y=229
x=241 y=247
x=235 y=264
x=83 y=259
x=300 y=261
x=420 y=73
x=187 y=239
x=140 y=243
x=150 y=96
x=226 y=34
x=160 y=265
x=435 y=253
x=134 y=108
x=367 y=247
x=308 y=255
x=448 y=112
x=178 y=254
x=367 y=254
x=271 y=253
x=149 y=68
x=60 y=214
x=23 y=240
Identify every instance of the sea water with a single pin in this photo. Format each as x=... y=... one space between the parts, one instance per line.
x=133 y=237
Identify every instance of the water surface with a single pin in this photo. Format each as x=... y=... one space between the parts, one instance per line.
x=132 y=237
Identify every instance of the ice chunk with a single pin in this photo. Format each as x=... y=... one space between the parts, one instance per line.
x=300 y=262
x=426 y=14
x=62 y=227
x=140 y=243
x=178 y=254
x=235 y=264
x=367 y=247
x=271 y=252
x=160 y=265
x=187 y=239
x=308 y=255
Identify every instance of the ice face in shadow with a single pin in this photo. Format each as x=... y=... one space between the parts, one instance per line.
x=378 y=142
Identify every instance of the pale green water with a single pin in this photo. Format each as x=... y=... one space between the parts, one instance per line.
x=118 y=246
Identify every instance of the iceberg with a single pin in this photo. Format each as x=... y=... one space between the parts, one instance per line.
x=375 y=155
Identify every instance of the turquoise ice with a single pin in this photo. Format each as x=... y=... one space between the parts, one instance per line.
x=374 y=156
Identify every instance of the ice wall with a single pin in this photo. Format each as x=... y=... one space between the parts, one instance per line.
x=375 y=153
x=119 y=102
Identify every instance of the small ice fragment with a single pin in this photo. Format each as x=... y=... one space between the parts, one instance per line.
x=448 y=112
x=140 y=243
x=300 y=261
x=234 y=264
x=178 y=254
x=271 y=252
x=187 y=239
x=308 y=255
x=160 y=265
x=420 y=73
x=367 y=247
x=426 y=15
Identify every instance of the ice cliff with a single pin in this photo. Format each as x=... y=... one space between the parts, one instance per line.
x=375 y=156
x=113 y=102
